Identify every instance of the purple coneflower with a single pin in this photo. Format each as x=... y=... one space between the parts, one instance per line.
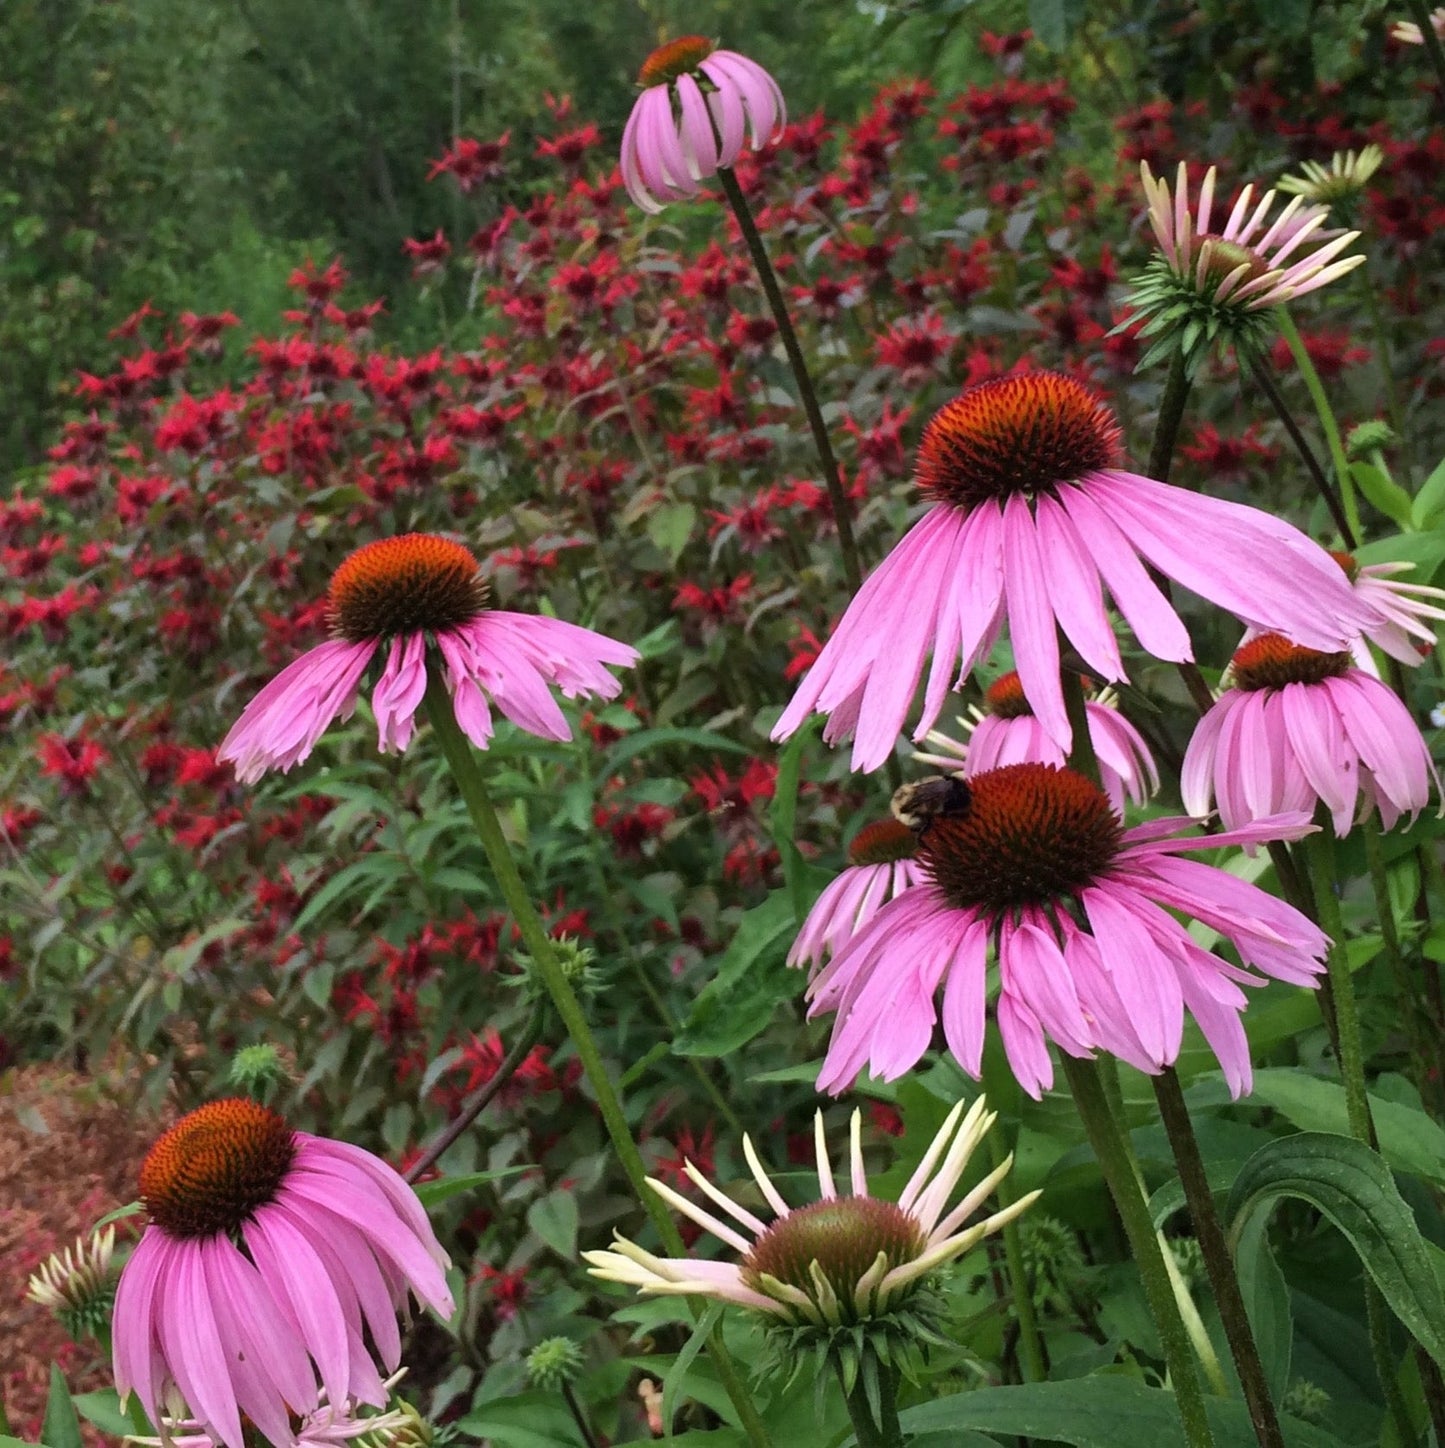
x=1409 y=32
x=1297 y=727
x=1078 y=911
x=880 y=866
x=1006 y=732
x=1398 y=611
x=698 y=106
x=1031 y=521
x=843 y=1259
x=271 y=1257
x=1219 y=274
x=404 y=592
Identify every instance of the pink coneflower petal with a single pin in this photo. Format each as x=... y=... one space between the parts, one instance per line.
x=399 y=693
x=1038 y=552
x=667 y=154
x=1094 y=960
x=279 y=728
x=1300 y=726
x=264 y=1253
x=695 y=130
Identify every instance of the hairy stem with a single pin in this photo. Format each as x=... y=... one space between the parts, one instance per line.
x=468 y=775
x=1209 y=1233
x=1107 y=1140
x=1312 y=463
x=1031 y=1346
x=842 y=508
x=1326 y=415
x=1171 y=414
x=1320 y=848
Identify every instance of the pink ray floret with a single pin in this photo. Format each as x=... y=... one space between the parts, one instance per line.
x=1040 y=559
x=1249 y=260
x=1126 y=766
x=1106 y=965
x=488 y=658
x=1299 y=729
x=698 y=108
x=292 y=1295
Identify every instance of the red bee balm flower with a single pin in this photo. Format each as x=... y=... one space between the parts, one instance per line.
x=416 y=591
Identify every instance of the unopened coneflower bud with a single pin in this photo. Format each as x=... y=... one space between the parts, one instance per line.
x=1219 y=272
x=254 y=1069
x=553 y=1363
x=1305 y=1401
x=1342 y=177
x=576 y=961
x=1365 y=438
x=78 y=1284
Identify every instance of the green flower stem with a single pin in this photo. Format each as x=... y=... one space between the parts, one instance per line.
x=1348 y=531
x=1421 y=12
x=1193 y=1323
x=1031 y=1346
x=1109 y=1146
x=1320 y=849
x=1383 y=355
x=842 y=508
x=1209 y=1233
x=1326 y=415
x=1171 y=414
x=1081 y=756
x=1421 y=1045
x=468 y=775
x=870 y=1434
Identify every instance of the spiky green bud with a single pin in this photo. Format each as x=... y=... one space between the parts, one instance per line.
x=553 y=1363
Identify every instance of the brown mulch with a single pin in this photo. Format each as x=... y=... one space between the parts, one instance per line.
x=70 y=1150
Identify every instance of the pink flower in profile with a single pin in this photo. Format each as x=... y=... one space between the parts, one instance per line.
x=1297 y=727
x=271 y=1258
x=1409 y=32
x=401 y=592
x=1399 y=611
x=880 y=866
x=698 y=106
x=1077 y=910
x=1031 y=522
x=1006 y=732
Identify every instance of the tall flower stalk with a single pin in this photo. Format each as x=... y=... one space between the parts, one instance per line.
x=842 y=507
x=468 y=776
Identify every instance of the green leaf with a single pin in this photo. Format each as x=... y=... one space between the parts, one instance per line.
x=433 y=1193
x=1384 y=492
x=782 y=816
x=645 y=740
x=1429 y=501
x=554 y=1219
x=1266 y=1300
x=525 y=1420
x=1409 y=1140
x=670 y=528
x=676 y=1376
x=1108 y=1411
x=104 y=1410
x=61 y=1428
x=1352 y=1186
x=751 y=978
